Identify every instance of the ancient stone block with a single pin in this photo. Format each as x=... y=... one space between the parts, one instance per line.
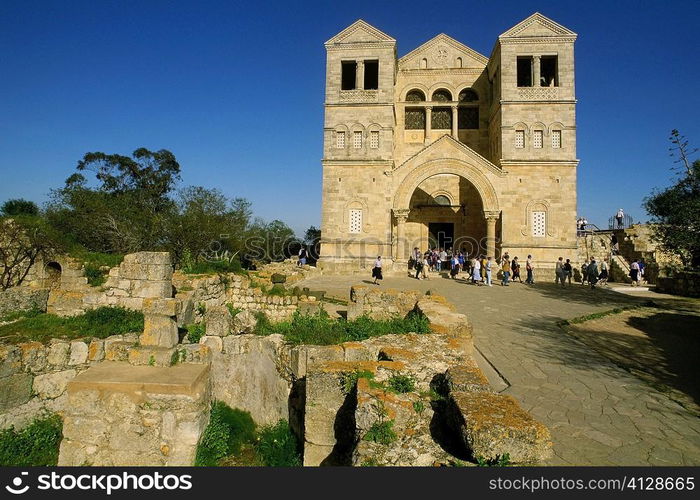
x=78 y=353
x=117 y=350
x=151 y=289
x=33 y=356
x=96 y=350
x=214 y=343
x=10 y=360
x=15 y=390
x=159 y=331
x=467 y=377
x=218 y=320
x=161 y=307
x=52 y=385
x=243 y=322
x=492 y=425
x=152 y=356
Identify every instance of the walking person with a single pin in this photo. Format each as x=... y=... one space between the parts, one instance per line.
x=568 y=271
x=419 y=265
x=584 y=271
x=442 y=259
x=634 y=273
x=377 y=270
x=559 y=272
x=603 y=276
x=515 y=267
x=454 y=266
x=593 y=273
x=426 y=264
x=642 y=266
x=614 y=245
x=302 y=257
x=529 y=267
x=620 y=217
x=488 y=267
x=476 y=272
x=505 y=269
x=483 y=268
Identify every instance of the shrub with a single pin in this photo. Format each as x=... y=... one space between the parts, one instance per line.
x=228 y=430
x=278 y=278
x=349 y=380
x=499 y=461
x=401 y=384
x=233 y=310
x=278 y=290
x=381 y=432
x=95 y=275
x=278 y=447
x=213 y=267
x=35 y=445
x=195 y=332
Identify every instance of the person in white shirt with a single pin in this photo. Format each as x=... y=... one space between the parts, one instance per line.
x=620 y=216
x=377 y=270
x=476 y=272
x=489 y=265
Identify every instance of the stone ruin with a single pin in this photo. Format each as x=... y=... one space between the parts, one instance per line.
x=144 y=398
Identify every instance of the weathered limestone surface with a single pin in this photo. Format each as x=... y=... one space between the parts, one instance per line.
x=23 y=299
x=492 y=425
x=380 y=303
x=118 y=414
x=251 y=372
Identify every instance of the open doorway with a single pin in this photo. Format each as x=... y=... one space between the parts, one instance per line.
x=441 y=234
x=52 y=275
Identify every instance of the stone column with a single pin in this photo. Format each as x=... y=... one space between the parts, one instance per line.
x=428 y=122
x=401 y=215
x=455 y=112
x=491 y=219
x=536 y=71
x=360 y=75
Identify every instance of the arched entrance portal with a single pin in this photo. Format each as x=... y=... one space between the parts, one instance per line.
x=446 y=211
x=52 y=275
x=442 y=197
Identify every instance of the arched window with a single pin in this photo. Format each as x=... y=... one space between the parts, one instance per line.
x=468 y=95
x=423 y=63
x=443 y=200
x=415 y=95
x=442 y=95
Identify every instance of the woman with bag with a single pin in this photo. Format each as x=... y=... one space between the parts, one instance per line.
x=377 y=270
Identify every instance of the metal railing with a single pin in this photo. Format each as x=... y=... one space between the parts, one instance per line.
x=626 y=222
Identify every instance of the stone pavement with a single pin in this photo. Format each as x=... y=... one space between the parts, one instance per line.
x=599 y=414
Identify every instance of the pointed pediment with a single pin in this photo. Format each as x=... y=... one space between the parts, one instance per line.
x=447 y=147
x=360 y=32
x=443 y=51
x=537 y=25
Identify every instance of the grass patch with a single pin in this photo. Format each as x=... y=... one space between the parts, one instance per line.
x=96 y=264
x=401 y=384
x=603 y=314
x=100 y=323
x=227 y=432
x=349 y=380
x=233 y=310
x=15 y=315
x=35 y=445
x=499 y=461
x=381 y=432
x=320 y=329
x=195 y=332
x=231 y=438
x=278 y=447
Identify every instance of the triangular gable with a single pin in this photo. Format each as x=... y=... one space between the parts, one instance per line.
x=442 y=51
x=359 y=32
x=447 y=147
x=537 y=25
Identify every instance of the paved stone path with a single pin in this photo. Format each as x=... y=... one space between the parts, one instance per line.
x=599 y=414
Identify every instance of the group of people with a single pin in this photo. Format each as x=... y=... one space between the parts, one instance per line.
x=478 y=268
x=591 y=272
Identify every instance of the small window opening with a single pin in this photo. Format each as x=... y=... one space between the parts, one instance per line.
x=349 y=75
x=525 y=71
x=548 y=71
x=371 y=75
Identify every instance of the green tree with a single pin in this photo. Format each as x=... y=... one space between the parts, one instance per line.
x=312 y=239
x=675 y=211
x=24 y=240
x=19 y=206
x=128 y=208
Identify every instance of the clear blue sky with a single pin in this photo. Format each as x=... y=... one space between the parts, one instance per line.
x=235 y=89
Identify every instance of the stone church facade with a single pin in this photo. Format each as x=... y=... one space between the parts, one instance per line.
x=445 y=147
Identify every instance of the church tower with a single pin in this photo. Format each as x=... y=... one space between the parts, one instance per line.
x=358 y=144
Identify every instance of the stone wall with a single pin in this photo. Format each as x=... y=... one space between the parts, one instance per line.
x=22 y=299
x=138 y=416
x=684 y=283
x=34 y=376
